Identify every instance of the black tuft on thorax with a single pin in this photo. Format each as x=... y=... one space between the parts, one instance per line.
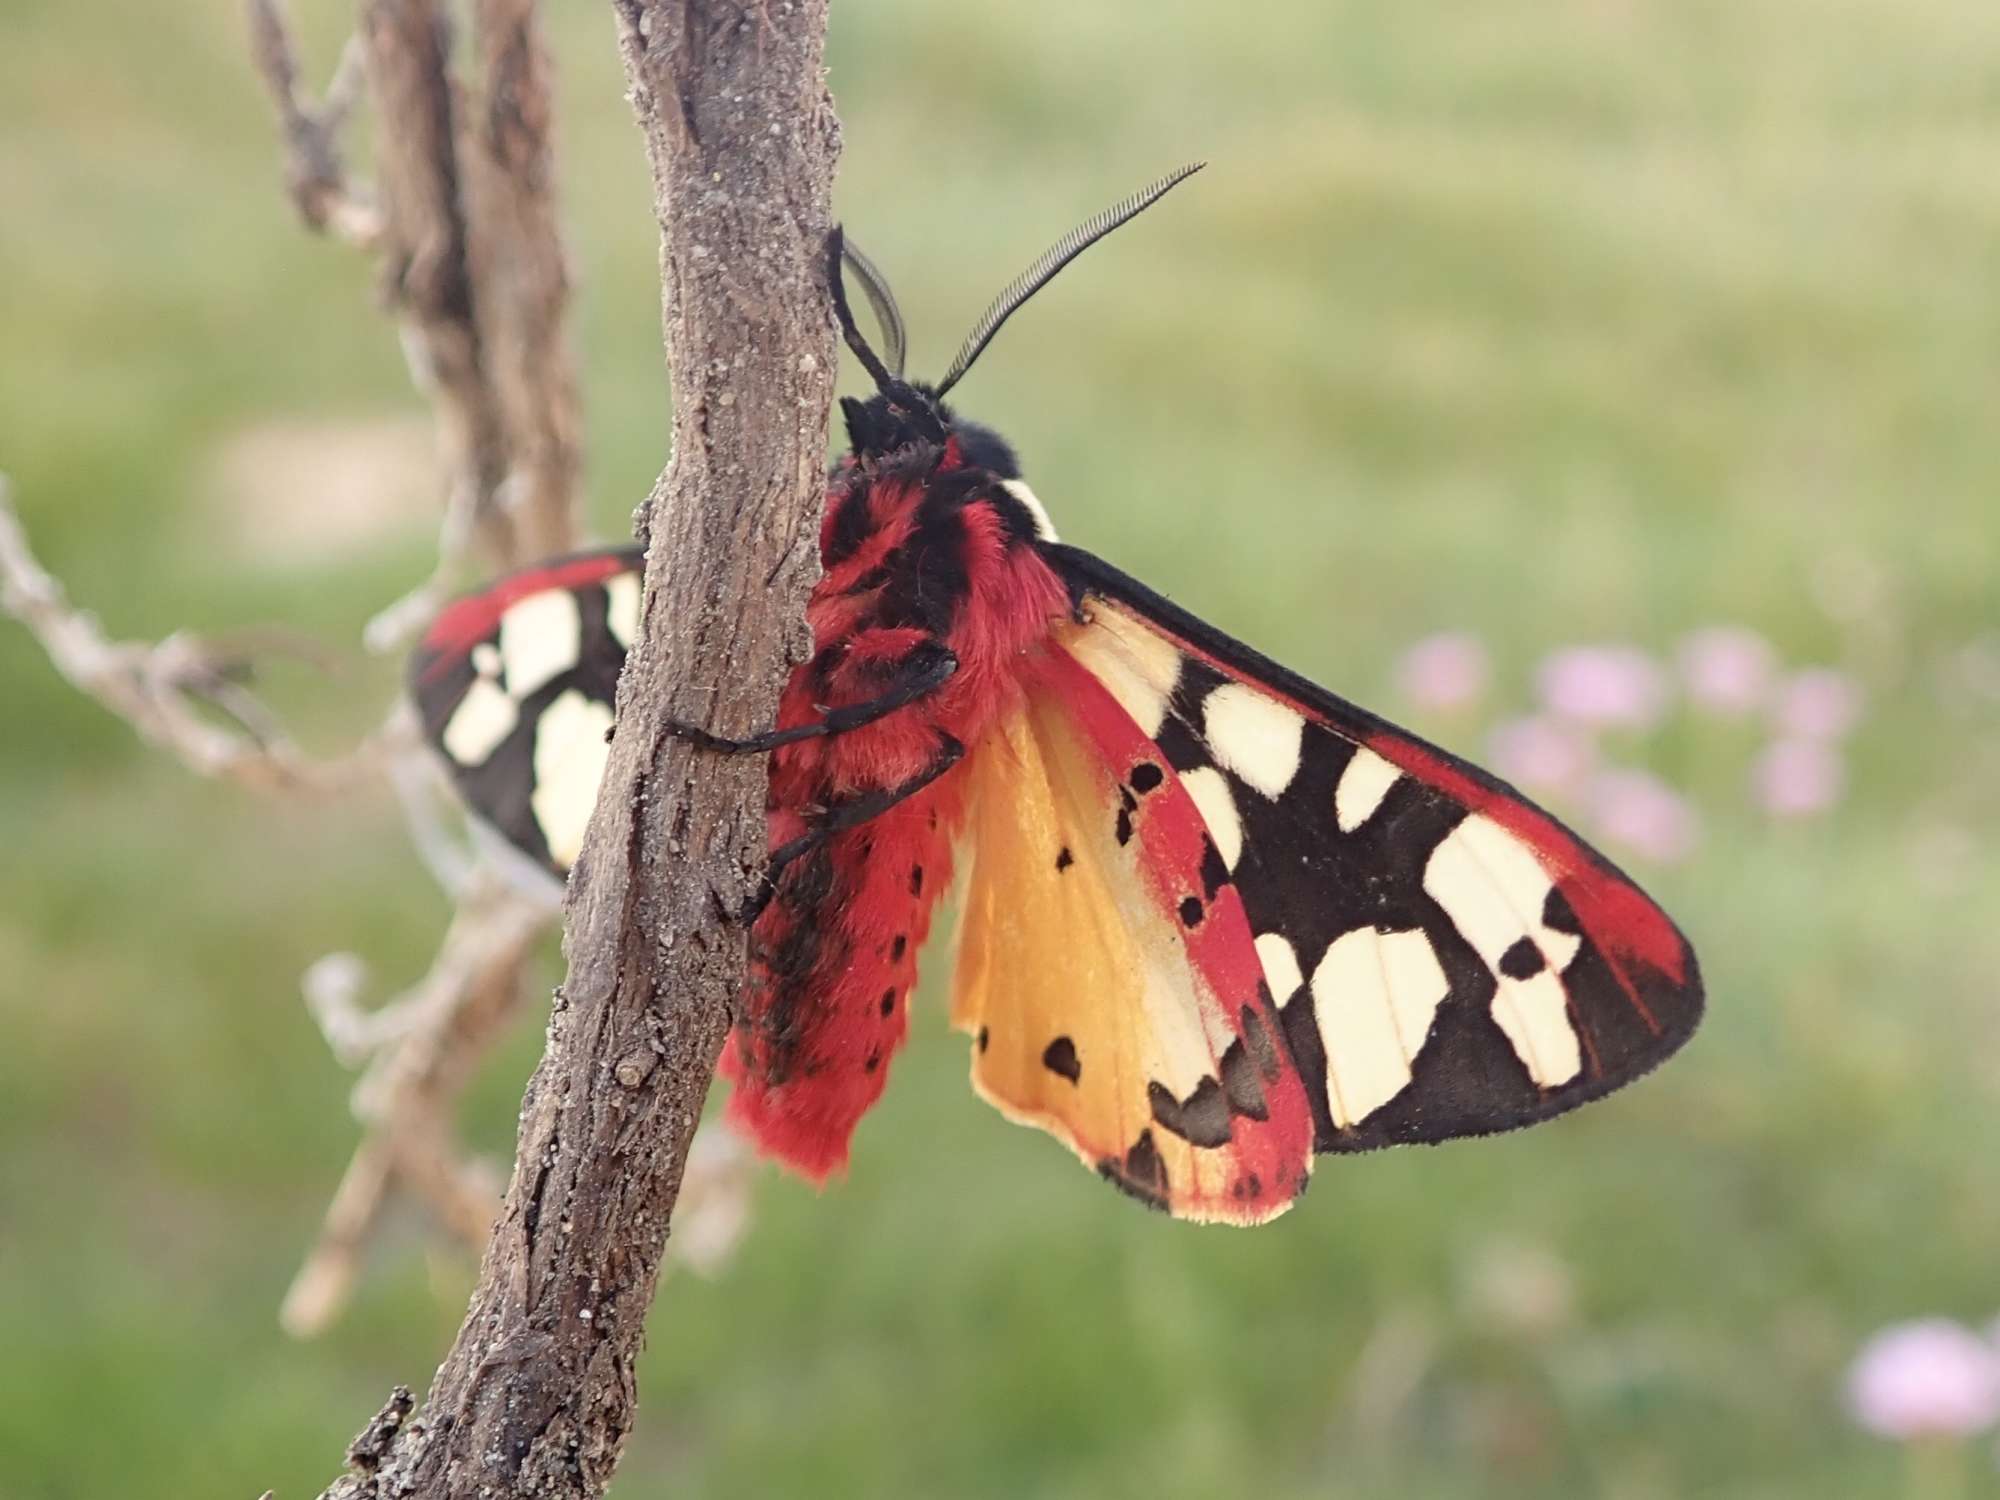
x=876 y=429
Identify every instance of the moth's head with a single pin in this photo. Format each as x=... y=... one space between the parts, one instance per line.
x=903 y=413
x=881 y=426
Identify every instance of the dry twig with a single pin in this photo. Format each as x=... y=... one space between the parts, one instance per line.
x=170 y=691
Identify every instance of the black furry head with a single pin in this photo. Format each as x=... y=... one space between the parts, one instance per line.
x=878 y=427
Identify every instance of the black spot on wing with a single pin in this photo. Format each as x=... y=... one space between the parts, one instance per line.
x=1558 y=914
x=1214 y=873
x=1141 y=1174
x=1522 y=960
x=1201 y=1119
x=1064 y=859
x=1060 y=1058
x=1263 y=1051
x=1241 y=1085
x=1146 y=777
x=1191 y=911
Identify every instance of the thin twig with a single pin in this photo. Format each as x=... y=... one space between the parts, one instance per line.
x=162 y=689
x=314 y=171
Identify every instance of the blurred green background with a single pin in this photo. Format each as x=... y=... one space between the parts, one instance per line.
x=1542 y=320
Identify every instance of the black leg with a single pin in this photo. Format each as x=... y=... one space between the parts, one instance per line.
x=923 y=671
x=849 y=814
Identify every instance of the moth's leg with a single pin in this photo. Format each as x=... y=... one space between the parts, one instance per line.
x=851 y=813
x=927 y=667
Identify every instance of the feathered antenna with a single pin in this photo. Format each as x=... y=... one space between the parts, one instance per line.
x=888 y=316
x=1052 y=260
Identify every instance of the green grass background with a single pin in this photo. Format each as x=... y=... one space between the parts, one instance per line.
x=1550 y=320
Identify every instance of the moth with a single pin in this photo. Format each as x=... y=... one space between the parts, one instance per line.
x=1215 y=919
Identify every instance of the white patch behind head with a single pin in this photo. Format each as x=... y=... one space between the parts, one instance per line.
x=570 y=756
x=1254 y=735
x=540 y=637
x=1018 y=488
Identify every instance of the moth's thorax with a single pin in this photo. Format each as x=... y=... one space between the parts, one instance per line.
x=920 y=546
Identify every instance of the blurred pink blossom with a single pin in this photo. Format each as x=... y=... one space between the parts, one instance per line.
x=1818 y=703
x=1641 y=812
x=1540 y=753
x=1798 y=778
x=1614 y=686
x=1931 y=1378
x=1444 y=671
x=1727 y=669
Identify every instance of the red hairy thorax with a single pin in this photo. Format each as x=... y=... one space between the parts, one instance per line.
x=833 y=955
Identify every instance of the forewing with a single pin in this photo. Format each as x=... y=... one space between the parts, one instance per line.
x=1106 y=971
x=515 y=687
x=1447 y=958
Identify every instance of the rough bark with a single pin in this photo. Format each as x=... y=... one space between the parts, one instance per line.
x=537 y=1393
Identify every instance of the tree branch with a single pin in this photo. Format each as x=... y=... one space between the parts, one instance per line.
x=537 y=1393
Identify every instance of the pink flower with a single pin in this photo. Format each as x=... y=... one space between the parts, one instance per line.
x=1614 y=686
x=1444 y=671
x=1727 y=669
x=1540 y=753
x=1798 y=778
x=1817 y=704
x=1930 y=1378
x=1641 y=812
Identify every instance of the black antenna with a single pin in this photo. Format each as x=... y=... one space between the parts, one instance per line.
x=902 y=396
x=1052 y=260
x=888 y=316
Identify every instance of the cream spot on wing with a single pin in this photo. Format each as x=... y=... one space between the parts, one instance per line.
x=486 y=659
x=1493 y=887
x=622 y=615
x=484 y=718
x=1373 y=997
x=540 y=637
x=1363 y=784
x=1212 y=798
x=1253 y=735
x=1416 y=984
x=1281 y=966
x=1136 y=666
x=1018 y=488
x=1534 y=1014
x=570 y=755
